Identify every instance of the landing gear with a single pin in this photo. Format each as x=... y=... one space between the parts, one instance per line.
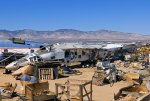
x=7 y=71
x=87 y=64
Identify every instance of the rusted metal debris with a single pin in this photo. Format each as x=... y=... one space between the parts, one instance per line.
x=131 y=92
x=7 y=90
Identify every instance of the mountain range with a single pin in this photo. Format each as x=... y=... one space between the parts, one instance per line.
x=73 y=35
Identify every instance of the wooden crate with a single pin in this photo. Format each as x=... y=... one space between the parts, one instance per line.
x=45 y=73
x=39 y=92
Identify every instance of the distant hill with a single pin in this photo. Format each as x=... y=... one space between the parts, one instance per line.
x=73 y=35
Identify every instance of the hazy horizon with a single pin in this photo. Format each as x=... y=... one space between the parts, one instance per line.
x=72 y=29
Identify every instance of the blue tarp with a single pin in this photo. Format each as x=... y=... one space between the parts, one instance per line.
x=32 y=79
x=25 y=78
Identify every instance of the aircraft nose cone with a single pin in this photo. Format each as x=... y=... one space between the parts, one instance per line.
x=11 y=66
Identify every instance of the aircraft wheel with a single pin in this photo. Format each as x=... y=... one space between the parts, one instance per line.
x=7 y=71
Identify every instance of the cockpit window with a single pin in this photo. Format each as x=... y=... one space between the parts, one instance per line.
x=42 y=48
x=35 y=58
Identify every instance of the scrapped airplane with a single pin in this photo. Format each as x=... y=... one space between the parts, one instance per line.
x=23 y=61
x=78 y=52
x=68 y=53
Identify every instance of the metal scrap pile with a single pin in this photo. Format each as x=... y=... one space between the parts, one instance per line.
x=137 y=73
x=123 y=64
x=119 y=63
x=139 y=86
x=131 y=93
x=7 y=90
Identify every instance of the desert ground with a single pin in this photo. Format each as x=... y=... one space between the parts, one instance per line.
x=100 y=93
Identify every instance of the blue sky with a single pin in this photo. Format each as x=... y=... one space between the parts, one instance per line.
x=87 y=15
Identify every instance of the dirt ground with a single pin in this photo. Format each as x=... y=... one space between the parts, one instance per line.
x=100 y=93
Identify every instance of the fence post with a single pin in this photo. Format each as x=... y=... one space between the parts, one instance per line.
x=0 y=97
x=91 y=91
x=81 y=93
x=56 y=87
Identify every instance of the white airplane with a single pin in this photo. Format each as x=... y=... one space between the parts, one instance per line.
x=68 y=53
